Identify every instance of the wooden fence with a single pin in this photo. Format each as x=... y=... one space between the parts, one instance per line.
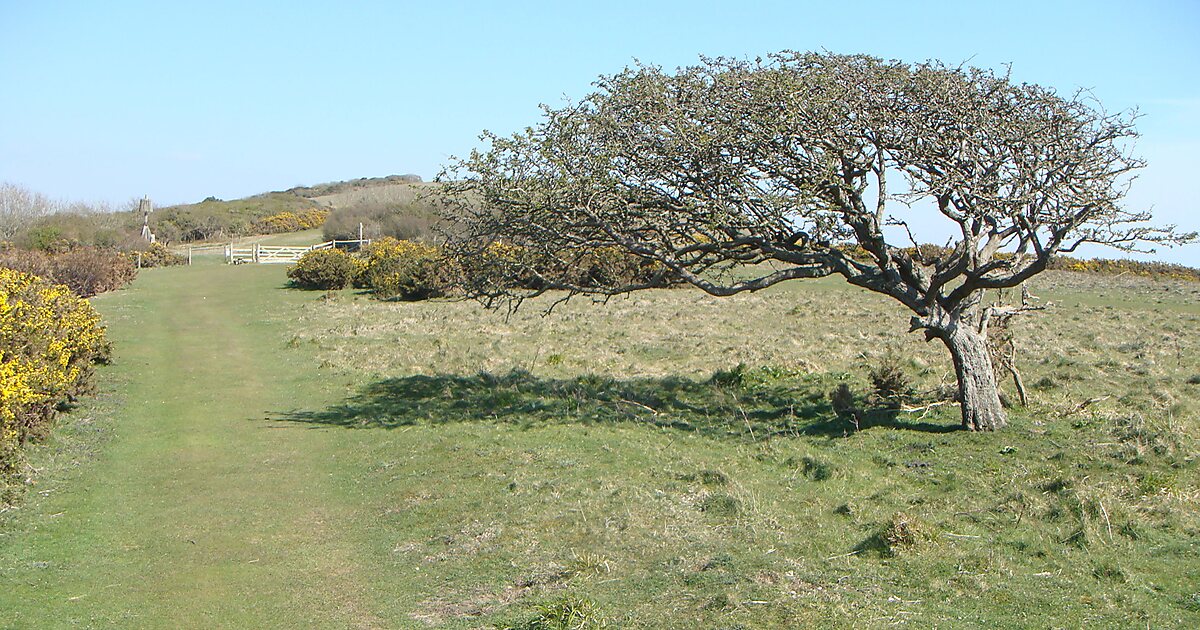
x=280 y=254
x=236 y=254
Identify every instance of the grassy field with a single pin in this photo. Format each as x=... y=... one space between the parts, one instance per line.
x=264 y=457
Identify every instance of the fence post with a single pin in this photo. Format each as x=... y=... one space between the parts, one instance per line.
x=139 y=260
x=256 y=248
x=189 y=255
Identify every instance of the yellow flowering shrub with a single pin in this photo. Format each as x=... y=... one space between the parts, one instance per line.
x=406 y=270
x=49 y=339
x=1121 y=267
x=288 y=221
x=505 y=265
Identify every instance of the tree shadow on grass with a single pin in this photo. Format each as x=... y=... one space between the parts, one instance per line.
x=738 y=404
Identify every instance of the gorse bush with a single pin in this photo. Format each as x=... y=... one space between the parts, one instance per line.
x=1155 y=270
x=406 y=270
x=49 y=340
x=1101 y=266
x=505 y=265
x=394 y=269
x=288 y=221
x=157 y=255
x=325 y=269
x=87 y=271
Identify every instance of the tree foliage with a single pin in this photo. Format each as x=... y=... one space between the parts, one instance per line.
x=777 y=165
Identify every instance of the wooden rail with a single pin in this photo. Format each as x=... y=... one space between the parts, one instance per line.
x=272 y=254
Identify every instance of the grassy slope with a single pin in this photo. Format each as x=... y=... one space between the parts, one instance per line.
x=281 y=460
x=248 y=208
x=377 y=194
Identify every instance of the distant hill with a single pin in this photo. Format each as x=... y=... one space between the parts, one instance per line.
x=334 y=189
x=215 y=218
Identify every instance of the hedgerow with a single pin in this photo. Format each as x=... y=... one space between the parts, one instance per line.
x=1110 y=267
x=1101 y=266
x=87 y=271
x=508 y=265
x=49 y=340
x=394 y=269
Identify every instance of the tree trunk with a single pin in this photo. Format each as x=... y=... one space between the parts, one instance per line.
x=978 y=394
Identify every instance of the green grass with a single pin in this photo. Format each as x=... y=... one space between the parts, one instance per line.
x=265 y=457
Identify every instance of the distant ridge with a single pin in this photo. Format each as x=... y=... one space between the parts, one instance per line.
x=334 y=188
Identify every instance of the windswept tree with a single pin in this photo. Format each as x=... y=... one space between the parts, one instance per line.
x=736 y=175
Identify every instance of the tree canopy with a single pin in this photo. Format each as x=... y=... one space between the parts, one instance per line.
x=735 y=175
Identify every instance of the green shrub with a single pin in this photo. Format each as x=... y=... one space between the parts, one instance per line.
x=843 y=401
x=891 y=384
x=44 y=238
x=324 y=269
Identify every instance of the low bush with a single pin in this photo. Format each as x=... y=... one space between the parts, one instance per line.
x=87 y=271
x=891 y=385
x=406 y=270
x=324 y=269
x=157 y=255
x=505 y=265
x=34 y=263
x=607 y=267
x=49 y=340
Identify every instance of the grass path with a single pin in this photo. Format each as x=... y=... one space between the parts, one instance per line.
x=199 y=514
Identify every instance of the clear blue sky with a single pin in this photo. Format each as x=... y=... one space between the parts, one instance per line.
x=108 y=100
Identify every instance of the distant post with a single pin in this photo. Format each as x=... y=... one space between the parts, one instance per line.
x=145 y=206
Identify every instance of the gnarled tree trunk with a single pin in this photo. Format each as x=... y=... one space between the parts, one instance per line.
x=977 y=391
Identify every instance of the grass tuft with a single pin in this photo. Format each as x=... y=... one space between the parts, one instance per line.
x=721 y=505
